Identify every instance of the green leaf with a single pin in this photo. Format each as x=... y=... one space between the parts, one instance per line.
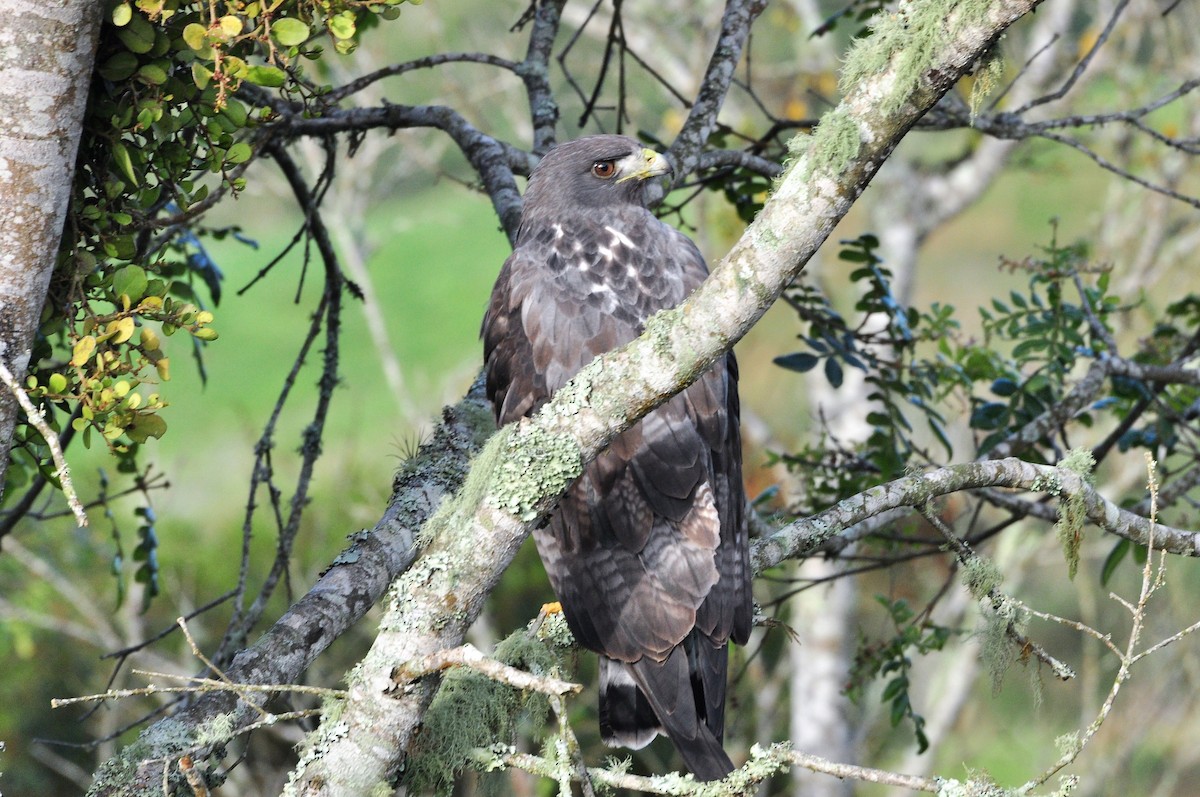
x=124 y=162
x=152 y=75
x=343 y=26
x=290 y=31
x=57 y=382
x=894 y=688
x=201 y=74
x=236 y=113
x=1004 y=386
x=989 y=415
x=833 y=372
x=268 y=76
x=239 y=153
x=137 y=36
x=130 y=281
x=146 y=426
x=800 y=361
x=119 y=67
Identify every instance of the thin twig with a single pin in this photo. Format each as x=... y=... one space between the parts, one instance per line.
x=39 y=422
x=469 y=656
x=967 y=557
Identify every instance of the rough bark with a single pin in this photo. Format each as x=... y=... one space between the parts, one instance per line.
x=46 y=55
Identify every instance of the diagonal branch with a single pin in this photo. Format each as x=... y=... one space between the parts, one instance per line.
x=736 y=24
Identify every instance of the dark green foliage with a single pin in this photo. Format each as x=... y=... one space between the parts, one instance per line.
x=891 y=659
x=1037 y=344
x=884 y=347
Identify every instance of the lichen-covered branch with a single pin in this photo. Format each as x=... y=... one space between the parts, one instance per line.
x=805 y=536
x=535 y=73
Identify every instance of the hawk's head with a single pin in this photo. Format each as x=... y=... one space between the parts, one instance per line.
x=596 y=172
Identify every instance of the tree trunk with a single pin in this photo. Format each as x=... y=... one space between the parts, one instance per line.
x=45 y=65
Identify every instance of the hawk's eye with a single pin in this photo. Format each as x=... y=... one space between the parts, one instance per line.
x=604 y=169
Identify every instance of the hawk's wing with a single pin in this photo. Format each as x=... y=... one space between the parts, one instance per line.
x=649 y=544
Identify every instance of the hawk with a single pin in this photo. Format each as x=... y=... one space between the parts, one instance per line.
x=647 y=551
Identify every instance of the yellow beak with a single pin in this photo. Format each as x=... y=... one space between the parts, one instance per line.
x=644 y=165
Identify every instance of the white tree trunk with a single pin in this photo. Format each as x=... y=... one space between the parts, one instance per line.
x=47 y=48
x=818 y=668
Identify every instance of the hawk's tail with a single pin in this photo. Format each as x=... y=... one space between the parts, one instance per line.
x=682 y=697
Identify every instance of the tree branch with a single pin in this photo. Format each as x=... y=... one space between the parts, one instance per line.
x=736 y=24
x=805 y=536
x=494 y=161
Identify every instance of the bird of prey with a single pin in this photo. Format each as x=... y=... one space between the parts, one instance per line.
x=647 y=551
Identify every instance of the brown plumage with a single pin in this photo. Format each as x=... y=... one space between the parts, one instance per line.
x=647 y=551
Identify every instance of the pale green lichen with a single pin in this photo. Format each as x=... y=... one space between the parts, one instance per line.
x=998 y=652
x=1046 y=483
x=981 y=576
x=454 y=511
x=835 y=143
x=171 y=739
x=907 y=43
x=554 y=631
x=472 y=711
x=1082 y=462
x=313 y=749
x=1072 y=513
x=1068 y=744
x=218 y=730
x=659 y=331
x=534 y=463
x=988 y=74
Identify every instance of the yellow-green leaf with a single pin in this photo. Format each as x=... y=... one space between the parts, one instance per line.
x=343 y=25
x=121 y=15
x=238 y=153
x=124 y=328
x=269 y=76
x=58 y=382
x=83 y=350
x=150 y=341
x=201 y=74
x=290 y=31
x=195 y=36
x=230 y=25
